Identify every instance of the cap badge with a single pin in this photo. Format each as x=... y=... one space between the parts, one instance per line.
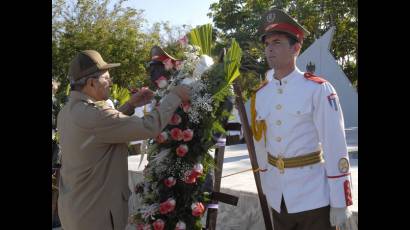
x=270 y=17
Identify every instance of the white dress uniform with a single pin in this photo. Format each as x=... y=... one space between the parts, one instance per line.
x=303 y=116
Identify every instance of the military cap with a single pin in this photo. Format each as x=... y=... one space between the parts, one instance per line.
x=278 y=20
x=158 y=54
x=86 y=63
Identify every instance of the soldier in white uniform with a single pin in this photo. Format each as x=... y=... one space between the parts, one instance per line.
x=298 y=128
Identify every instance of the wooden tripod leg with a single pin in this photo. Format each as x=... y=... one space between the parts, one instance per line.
x=252 y=154
x=54 y=210
x=213 y=213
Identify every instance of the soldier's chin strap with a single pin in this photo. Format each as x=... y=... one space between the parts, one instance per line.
x=258 y=127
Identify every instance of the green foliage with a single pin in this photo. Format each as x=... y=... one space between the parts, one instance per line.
x=240 y=19
x=115 y=32
x=232 y=61
x=122 y=95
x=202 y=37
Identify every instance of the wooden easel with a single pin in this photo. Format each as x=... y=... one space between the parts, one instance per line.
x=219 y=157
x=216 y=195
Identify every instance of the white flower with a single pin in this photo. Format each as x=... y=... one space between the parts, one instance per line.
x=198 y=168
x=187 y=81
x=149 y=211
x=161 y=82
x=205 y=62
x=180 y=225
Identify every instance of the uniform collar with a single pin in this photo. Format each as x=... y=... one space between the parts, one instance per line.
x=288 y=79
x=79 y=96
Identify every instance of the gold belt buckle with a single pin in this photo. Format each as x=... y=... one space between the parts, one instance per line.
x=280 y=164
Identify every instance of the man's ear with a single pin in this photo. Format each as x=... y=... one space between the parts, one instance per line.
x=89 y=82
x=296 y=48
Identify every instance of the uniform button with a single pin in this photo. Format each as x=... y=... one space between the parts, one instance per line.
x=298 y=112
x=278 y=122
x=278 y=107
x=280 y=91
x=278 y=139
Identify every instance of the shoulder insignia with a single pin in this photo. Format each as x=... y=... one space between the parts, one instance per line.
x=100 y=104
x=314 y=78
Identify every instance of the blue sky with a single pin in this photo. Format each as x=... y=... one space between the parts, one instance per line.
x=177 y=12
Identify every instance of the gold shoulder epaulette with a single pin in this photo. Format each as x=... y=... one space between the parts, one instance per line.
x=100 y=104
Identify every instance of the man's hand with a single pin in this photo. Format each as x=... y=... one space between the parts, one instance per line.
x=339 y=217
x=183 y=91
x=141 y=97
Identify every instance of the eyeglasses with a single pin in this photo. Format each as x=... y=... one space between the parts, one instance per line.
x=101 y=76
x=105 y=77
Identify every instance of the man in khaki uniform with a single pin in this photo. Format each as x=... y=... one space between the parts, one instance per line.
x=93 y=191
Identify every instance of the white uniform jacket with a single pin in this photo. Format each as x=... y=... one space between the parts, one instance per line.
x=303 y=115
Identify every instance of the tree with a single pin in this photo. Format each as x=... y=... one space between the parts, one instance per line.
x=114 y=32
x=241 y=19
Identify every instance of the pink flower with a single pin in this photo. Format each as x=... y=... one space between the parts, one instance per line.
x=175 y=119
x=198 y=169
x=162 y=137
x=183 y=41
x=178 y=65
x=190 y=177
x=170 y=181
x=187 y=134
x=180 y=225
x=197 y=209
x=167 y=206
x=161 y=82
x=158 y=224
x=186 y=106
x=182 y=150
x=176 y=134
x=168 y=64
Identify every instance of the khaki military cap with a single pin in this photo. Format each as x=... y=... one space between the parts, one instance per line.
x=278 y=20
x=158 y=54
x=87 y=62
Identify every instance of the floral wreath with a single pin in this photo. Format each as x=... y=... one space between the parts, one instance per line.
x=174 y=192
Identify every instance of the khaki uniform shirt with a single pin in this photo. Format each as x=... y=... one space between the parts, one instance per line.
x=93 y=191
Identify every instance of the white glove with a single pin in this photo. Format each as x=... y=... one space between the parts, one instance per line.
x=339 y=216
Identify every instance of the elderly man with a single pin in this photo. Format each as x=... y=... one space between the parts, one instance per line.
x=93 y=191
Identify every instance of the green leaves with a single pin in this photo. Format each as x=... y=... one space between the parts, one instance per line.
x=202 y=37
x=241 y=19
x=232 y=62
x=120 y=94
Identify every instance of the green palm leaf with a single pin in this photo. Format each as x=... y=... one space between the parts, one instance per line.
x=232 y=62
x=120 y=94
x=202 y=37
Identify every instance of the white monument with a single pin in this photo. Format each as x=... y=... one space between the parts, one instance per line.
x=322 y=63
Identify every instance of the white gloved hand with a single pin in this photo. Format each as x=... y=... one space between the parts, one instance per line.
x=339 y=216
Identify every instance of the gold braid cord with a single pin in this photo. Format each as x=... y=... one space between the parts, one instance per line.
x=258 y=127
